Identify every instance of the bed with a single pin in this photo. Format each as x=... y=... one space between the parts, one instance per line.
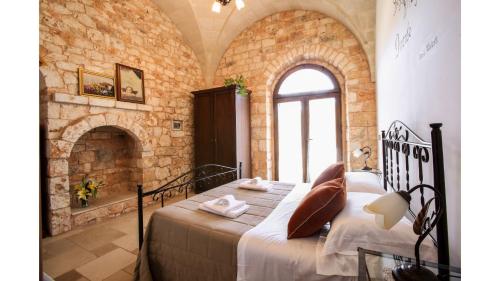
x=182 y=242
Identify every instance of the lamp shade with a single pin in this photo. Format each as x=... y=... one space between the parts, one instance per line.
x=388 y=209
x=357 y=153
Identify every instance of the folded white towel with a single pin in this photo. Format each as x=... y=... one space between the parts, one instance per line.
x=223 y=205
x=255 y=180
x=255 y=184
x=230 y=214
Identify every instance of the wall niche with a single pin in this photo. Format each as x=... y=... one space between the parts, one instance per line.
x=110 y=155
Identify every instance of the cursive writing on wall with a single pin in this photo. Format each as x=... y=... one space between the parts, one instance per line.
x=403 y=5
x=402 y=40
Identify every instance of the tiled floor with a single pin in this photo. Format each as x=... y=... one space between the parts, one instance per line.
x=103 y=251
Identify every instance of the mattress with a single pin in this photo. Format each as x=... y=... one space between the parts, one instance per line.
x=184 y=243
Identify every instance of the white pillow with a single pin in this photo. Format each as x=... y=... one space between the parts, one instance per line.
x=363 y=182
x=353 y=228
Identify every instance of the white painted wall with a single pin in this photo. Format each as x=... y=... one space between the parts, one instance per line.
x=418 y=82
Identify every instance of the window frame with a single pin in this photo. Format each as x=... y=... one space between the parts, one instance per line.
x=304 y=98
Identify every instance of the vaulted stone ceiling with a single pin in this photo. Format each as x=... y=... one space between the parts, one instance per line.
x=209 y=34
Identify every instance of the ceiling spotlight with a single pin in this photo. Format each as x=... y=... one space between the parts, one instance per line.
x=216 y=7
x=240 y=4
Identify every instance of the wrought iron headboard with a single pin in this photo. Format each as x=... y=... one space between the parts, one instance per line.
x=401 y=148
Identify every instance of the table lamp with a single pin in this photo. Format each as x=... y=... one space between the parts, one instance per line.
x=367 y=152
x=389 y=209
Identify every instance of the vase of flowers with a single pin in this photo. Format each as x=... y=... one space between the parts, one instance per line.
x=85 y=189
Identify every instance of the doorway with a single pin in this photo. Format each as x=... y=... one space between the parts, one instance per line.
x=307 y=122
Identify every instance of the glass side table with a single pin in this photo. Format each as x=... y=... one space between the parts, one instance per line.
x=373 y=171
x=377 y=266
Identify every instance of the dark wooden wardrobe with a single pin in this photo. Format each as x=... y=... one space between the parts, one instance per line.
x=222 y=128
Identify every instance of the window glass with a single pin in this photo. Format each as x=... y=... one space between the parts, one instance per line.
x=305 y=80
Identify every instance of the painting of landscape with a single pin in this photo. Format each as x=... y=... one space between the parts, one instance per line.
x=96 y=84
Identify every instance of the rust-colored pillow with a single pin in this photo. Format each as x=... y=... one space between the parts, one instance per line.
x=333 y=171
x=318 y=207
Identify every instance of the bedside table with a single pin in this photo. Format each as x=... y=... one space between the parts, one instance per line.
x=377 y=266
x=373 y=171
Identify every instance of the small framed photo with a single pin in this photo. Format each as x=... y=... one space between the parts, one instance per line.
x=96 y=84
x=177 y=125
x=129 y=84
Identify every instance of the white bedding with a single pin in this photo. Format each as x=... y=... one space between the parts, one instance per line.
x=265 y=253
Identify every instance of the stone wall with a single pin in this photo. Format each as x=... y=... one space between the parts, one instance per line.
x=96 y=35
x=271 y=46
x=108 y=155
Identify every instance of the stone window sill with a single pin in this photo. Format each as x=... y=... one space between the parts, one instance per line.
x=67 y=98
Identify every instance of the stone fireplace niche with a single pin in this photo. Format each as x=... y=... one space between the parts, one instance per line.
x=110 y=155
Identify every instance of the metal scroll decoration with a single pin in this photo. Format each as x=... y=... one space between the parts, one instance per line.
x=412 y=165
x=209 y=174
x=402 y=148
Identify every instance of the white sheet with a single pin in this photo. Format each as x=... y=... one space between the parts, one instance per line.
x=264 y=253
x=364 y=182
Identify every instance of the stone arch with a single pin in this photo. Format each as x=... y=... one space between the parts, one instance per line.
x=60 y=150
x=337 y=49
x=347 y=73
x=73 y=132
x=271 y=84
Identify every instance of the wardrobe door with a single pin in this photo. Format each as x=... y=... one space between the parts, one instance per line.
x=225 y=128
x=204 y=138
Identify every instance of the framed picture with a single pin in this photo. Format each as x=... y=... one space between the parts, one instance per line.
x=96 y=84
x=129 y=84
x=177 y=125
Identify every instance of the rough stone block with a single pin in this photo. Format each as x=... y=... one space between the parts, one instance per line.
x=59 y=148
x=162 y=173
x=72 y=133
x=111 y=119
x=52 y=78
x=60 y=220
x=102 y=102
x=144 y=107
x=165 y=140
x=126 y=105
x=58 y=185
x=66 y=98
x=53 y=110
x=73 y=111
x=58 y=167
x=59 y=200
x=96 y=120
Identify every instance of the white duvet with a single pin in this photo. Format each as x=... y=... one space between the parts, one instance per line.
x=265 y=253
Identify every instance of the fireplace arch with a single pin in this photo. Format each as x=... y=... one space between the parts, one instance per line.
x=109 y=155
x=61 y=216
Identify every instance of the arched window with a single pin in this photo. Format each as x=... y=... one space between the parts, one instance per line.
x=307 y=116
x=306 y=80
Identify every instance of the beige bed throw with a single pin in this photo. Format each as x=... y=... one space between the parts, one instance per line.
x=183 y=243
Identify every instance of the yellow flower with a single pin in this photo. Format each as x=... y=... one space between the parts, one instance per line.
x=82 y=194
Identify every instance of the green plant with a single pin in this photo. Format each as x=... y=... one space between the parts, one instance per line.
x=239 y=81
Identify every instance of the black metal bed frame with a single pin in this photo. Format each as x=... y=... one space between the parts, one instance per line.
x=400 y=144
x=211 y=174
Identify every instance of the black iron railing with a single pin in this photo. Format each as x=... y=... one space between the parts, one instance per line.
x=405 y=155
x=201 y=178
